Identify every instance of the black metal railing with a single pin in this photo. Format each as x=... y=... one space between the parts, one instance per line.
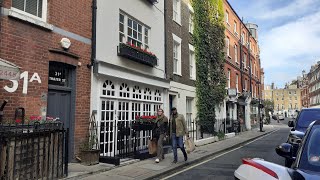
x=33 y=151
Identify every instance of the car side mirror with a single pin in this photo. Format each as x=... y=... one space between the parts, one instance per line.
x=291 y=124
x=284 y=150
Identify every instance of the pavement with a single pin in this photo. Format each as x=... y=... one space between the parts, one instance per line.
x=148 y=169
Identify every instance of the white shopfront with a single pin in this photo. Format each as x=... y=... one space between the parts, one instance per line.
x=118 y=96
x=121 y=102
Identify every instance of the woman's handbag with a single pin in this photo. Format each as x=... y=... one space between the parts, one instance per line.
x=152 y=146
x=190 y=146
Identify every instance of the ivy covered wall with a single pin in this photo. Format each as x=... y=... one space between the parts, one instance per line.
x=209 y=43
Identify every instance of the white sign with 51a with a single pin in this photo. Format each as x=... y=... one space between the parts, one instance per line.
x=25 y=77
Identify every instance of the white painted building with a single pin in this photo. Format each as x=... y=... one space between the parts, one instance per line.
x=127 y=81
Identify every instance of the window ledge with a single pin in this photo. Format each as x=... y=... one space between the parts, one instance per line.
x=229 y=56
x=192 y=78
x=237 y=62
x=15 y=14
x=177 y=74
x=179 y=23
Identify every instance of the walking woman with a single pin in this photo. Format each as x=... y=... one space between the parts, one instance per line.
x=161 y=127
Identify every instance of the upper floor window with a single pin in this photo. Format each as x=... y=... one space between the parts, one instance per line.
x=176 y=55
x=227 y=18
x=35 y=8
x=228 y=46
x=177 y=11
x=191 y=22
x=235 y=28
x=236 y=53
x=244 y=60
x=192 y=62
x=237 y=82
x=130 y=30
x=243 y=37
x=229 y=78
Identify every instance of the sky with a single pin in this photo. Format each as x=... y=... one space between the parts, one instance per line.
x=288 y=35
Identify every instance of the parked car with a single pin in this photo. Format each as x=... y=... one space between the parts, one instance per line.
x=280 y=117
x=305 y=167
x=299 y=127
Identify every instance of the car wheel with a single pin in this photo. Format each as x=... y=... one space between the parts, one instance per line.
x=288 y=163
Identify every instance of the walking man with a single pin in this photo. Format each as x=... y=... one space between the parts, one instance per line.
x=178 y=129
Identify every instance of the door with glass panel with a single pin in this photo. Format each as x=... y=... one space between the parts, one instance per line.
x=108 y=127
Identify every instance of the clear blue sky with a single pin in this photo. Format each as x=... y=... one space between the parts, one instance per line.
x=289 y=35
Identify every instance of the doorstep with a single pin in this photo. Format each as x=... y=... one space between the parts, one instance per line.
x=77 y=170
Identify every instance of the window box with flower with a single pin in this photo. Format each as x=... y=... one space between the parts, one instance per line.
x=144 y=122
x=137 y=54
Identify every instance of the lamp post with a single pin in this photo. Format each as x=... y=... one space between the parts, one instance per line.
x=260 y=106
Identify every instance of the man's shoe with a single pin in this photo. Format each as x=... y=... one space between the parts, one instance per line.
x=174 y=162
x=186 y=158
x=157 y=160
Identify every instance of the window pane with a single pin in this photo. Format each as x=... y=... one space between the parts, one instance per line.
x=139 y=28
x=135 y=25
x=139 y=36
x=121 y=18
x=121 y=27
x=40 y=9
x=121 y=37
x=146 y=30
x=139 y=44
x=129 y=22
x=175 y=65
x=31 y=7
x=19 y=4
x=134 y=34
x=146 y=41
x=129 y=31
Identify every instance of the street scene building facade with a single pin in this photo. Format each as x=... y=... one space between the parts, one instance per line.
x=286 y=101
x=129 y=76
x=52 y=49
x=180 y=59
x=117 y=62
x=243 y=69
x=314 y=86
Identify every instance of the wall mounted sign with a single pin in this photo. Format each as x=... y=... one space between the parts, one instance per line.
x=58 y=74
x=9 y=71
x=232 y=92
x=65 y=43
x=25 y=84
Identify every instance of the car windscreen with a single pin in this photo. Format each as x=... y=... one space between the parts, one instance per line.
x=310 y=158
x=307 y=117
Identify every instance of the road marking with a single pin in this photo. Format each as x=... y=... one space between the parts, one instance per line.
x=215 y=157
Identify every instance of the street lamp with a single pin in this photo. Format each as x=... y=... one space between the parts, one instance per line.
x=260 y=106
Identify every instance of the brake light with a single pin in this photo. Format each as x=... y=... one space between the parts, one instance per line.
x=260 y=167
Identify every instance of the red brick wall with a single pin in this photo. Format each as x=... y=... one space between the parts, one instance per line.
x=28 y=45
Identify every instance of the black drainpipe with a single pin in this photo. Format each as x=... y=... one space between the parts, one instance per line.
x=241 y=59
x=93 y=35
x=165 y=39
x=249 y=53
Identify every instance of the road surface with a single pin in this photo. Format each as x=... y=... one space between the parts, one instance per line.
x=223 y=166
